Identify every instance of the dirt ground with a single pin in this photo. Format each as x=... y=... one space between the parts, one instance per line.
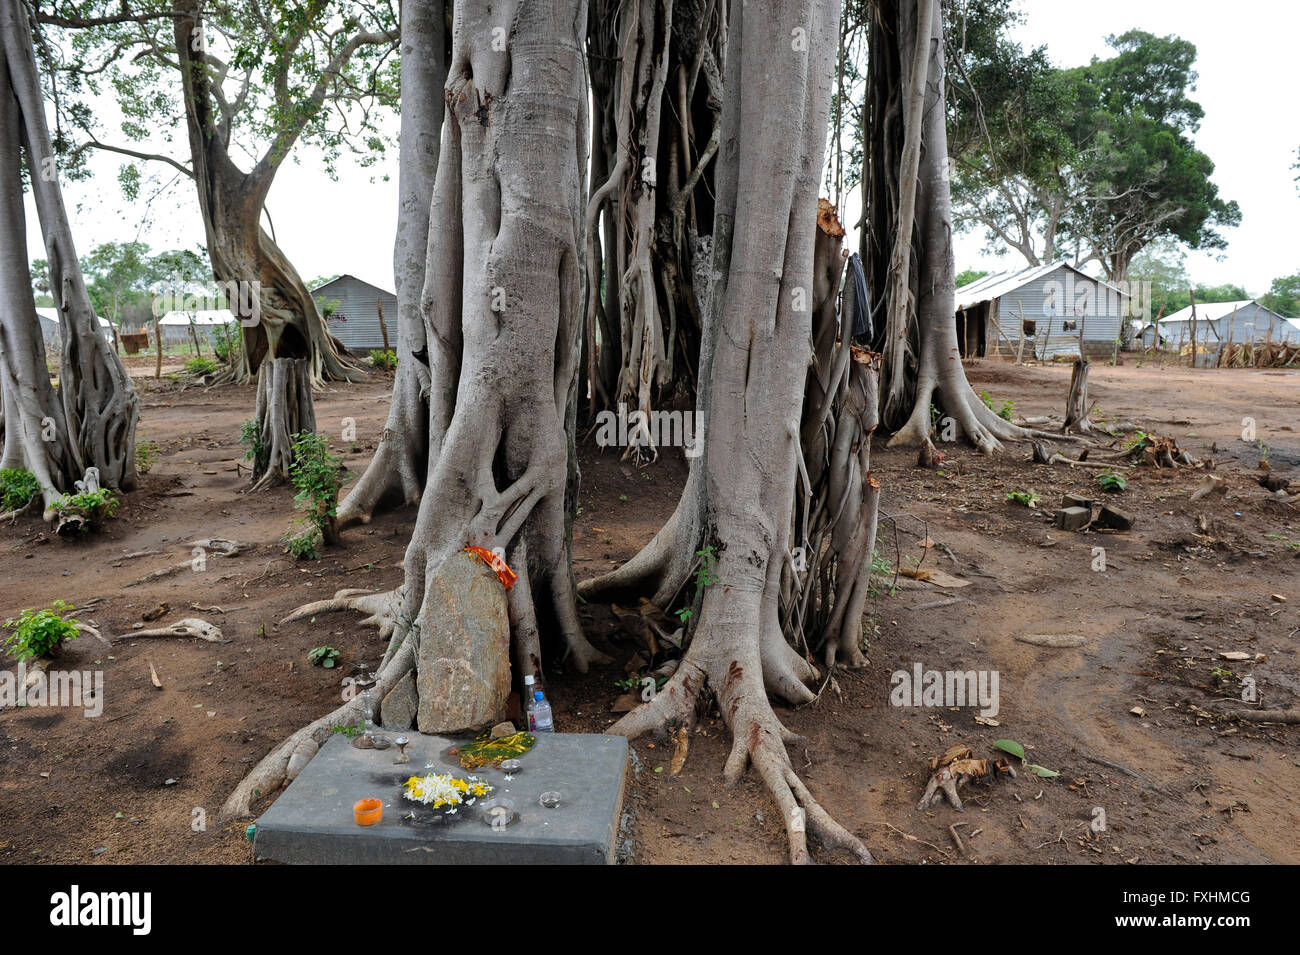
x=1184 y=782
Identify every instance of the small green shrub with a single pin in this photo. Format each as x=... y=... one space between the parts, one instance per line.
x=304 y=546
x=17 y=488
x=317 y=475
x=387 y=360
x=199 y=366
x=250 y=436
x=1138 y=441
x=146 y=456
x=94 y=506
x=1004 y=412
x=40 y=632
x=1023 y=498
x=227 y=340
x=1111 y=482
x=880 y=567
x=325 y=657
x=704 y=575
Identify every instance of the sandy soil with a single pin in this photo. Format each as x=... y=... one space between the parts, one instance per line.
x=1184 y=783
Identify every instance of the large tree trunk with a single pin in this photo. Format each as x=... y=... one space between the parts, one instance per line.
x=739 y=501
x=825 y=584
x=90 y=422
x=280 y=319
x=502 y=307
x=907 y=245
x=397 y=471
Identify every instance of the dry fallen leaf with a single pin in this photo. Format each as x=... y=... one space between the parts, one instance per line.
x=682 y=739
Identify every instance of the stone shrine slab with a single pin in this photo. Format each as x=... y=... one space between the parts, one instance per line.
x=311 y=822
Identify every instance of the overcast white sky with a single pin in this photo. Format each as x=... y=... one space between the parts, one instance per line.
x=1248 y=81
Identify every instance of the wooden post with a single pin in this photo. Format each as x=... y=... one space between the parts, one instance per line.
x=194 y=336
x=157 y=331
x=1155 y=334
x=383 y=329
x=1010 y=344
x=1020 y=350
x=1192 y=294
x=1047 y=339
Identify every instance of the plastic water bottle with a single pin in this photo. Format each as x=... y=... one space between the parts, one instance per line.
x=540 y=720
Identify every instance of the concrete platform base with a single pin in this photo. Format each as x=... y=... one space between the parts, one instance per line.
x=311 y=822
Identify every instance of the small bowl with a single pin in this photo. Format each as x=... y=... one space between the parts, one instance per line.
x=368 y=812
x=510 y=767
x=381 y=742
x=550 y=799
x=495 y=810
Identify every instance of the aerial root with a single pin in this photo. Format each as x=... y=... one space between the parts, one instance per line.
x=274 y=769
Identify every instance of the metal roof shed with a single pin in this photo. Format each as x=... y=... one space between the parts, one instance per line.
x=355 y=318
x=1040 y=312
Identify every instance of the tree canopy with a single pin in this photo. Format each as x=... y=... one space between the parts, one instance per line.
x=1097 y=160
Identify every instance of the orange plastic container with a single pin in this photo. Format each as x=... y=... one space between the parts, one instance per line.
x=368 y=812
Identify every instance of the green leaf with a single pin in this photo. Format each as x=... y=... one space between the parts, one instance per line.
x=1043 y=771
x=1010 y=746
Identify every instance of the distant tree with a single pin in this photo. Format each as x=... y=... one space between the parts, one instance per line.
x=1012 y=158
x=969 y=275
x=1127 y=173
x=1207 y=294
x=1164 y=265
x=58 y=435
x=123 y=277
x=1284 y=295
x=240 y=83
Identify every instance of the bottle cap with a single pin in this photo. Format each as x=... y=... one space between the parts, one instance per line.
x=538 y=695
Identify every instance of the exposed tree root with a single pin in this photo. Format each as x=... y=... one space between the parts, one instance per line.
x=12 y=516
x=273 y=771
x=396 y=471
x=825 y=581
x=189 y=627
x=759 y=738
x=383 y=608
x=663 y=567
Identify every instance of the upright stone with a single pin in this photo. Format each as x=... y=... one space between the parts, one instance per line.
x=463 y=662
x=397 y=712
